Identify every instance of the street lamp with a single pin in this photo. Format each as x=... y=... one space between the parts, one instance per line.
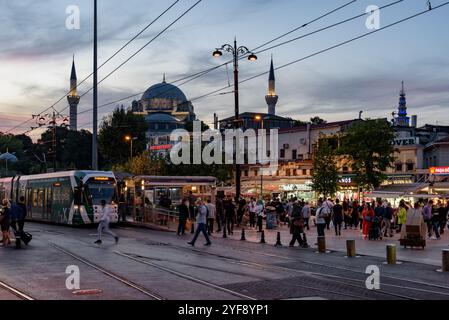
x=131 y=139
x=236 y=52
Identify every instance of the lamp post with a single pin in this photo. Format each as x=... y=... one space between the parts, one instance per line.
x=261 y=119
x=131 y=139
x=236 y=52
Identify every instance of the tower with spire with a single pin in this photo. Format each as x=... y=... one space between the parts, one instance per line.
x=402 y=120
x=271 y=98
x=73 y=99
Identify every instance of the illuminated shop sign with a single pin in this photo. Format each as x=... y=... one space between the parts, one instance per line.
x=439 y=170
x=345 y=180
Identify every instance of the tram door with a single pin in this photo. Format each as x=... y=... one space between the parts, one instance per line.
x=48 y=204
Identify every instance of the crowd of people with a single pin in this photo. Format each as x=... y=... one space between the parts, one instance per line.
x=375 y=220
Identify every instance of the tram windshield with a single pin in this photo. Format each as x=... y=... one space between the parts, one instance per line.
x=99 y=192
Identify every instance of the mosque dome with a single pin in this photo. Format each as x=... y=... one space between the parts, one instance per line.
x=164 y=91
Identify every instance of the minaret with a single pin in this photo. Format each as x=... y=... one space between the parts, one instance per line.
x=73 y=99
x=272 y=98
x=402 y=119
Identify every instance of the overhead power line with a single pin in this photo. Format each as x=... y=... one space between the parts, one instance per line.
x=109 y=59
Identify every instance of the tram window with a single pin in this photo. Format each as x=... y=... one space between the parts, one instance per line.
x=40 y=198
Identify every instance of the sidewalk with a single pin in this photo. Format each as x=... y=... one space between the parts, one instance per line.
x=432 y=255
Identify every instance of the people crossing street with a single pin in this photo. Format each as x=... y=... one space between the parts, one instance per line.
x=202 y=224
x=105 y=220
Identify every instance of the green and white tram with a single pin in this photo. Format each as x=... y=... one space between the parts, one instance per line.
x=71 y=198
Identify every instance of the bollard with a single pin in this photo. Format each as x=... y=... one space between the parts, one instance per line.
x=391 y=254
x=445 y=261
x=243 y=235
x=350 y=245
x=322 y=245
x=278 y=241
x=262 y=238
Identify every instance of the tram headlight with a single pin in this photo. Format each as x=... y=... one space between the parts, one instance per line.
x=76 y=208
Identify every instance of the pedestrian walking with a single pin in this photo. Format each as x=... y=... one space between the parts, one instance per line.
x=402 y=215
x=337 y=217
x=436 y=221
x=105 y=220
x=252 y=213
x=5 y=222
x=211 y=209
x=17 y=220
x=183 y=216
x=442 y=214
x=386 y=221
x=297 y=225
x=368 y=219
x=192 y=201
x=327 y=211
x=347 y=214
x=220 y=215
x=321 y=215
x=306 y=213
x=427 y=215
x=260 y=213
x=355 y=215
x=230 y=215
x=202 y=221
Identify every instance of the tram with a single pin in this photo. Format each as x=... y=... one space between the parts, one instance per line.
x=153 y=188
x=70 y=198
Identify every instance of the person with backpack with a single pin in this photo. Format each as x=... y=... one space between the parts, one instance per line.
x=18 y=215
x=297 y=225
x=202 y=221
x=327 y=212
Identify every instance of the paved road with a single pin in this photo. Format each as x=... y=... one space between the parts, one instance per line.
x=158 y=265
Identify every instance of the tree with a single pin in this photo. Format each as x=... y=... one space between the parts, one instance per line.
x=367 y=144
x=113 y=147
x=325 y=172
x=73 y=149
x=317 y=120
x=142 y=164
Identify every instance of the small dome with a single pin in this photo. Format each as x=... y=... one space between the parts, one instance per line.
x=161 y=117
x=164 y=91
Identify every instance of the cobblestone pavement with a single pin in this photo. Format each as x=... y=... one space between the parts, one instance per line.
x=153 y=265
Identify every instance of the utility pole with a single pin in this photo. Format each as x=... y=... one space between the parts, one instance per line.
x=54 y=140
x=95 y=97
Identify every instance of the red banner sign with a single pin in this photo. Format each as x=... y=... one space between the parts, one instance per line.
x=439 y=170
x=163 y=147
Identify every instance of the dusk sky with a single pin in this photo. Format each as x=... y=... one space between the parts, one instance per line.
x=36 y=51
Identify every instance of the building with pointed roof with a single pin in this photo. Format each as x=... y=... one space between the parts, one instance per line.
x=271 y=98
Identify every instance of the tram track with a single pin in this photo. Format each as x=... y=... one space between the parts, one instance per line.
x=15 y=292
x=334 y=278
x=185 y=276
x=110 y=274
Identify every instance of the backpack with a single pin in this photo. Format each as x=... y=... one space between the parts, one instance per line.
x=16 y=212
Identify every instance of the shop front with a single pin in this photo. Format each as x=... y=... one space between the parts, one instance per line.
x=348 y=189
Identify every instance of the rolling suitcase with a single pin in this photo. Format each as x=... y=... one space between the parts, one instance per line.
x=26 y=237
